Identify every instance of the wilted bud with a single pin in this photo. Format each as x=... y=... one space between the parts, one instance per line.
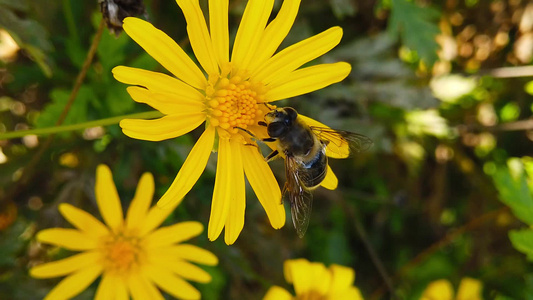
x=114 y=11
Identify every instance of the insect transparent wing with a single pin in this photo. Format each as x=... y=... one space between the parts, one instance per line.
x=299 y=196
x=341 y=143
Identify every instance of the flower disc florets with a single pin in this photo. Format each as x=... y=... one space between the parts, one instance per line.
x=121 y=253
x=234 y=101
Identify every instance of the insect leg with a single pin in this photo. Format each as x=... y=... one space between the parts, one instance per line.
x=272 y=155
x=247 y=131
x=255 y=137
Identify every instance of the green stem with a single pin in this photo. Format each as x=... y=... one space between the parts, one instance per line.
x=74 y=127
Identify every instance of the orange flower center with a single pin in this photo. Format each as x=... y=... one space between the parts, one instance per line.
x=233 y=101
x=310 y=295
x=121 y=253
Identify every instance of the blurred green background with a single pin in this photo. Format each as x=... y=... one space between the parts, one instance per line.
x=443 y=88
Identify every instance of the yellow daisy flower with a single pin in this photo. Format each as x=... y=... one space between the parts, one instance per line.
x=131 y=255
x=469 y=289
x=226 y=93
x=312 y=281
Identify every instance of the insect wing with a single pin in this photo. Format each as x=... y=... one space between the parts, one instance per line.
x=300 y=197
x=341 y=143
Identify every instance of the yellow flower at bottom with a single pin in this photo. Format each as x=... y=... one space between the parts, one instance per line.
x=132 y=256
x=312 y=281
x=226 y=94
x=469 y=289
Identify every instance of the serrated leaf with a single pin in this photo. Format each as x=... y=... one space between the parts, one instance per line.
x=77 y=112
x=118 y=101
x=522 y=241
x=28 y=34
x=111 y=50
x=417 y=27
x=515 y=193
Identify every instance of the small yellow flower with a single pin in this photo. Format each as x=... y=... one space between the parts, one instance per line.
x=225 y=94
x=131 y=255
x=469 y=289
x=312 y=281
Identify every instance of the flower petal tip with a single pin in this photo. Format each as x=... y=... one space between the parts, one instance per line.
x=64 y=207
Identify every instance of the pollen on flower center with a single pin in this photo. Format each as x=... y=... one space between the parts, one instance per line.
x=233 y=101
x=310 y=295
x=121 y=253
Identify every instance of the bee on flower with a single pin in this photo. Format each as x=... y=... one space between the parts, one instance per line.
x=227 y=93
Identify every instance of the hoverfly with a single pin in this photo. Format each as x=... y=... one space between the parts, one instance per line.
x=304 y=148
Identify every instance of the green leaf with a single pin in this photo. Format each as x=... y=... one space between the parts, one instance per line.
x=343 y=8
x=11 y=243
x=28 y=34
x=111 y=50
x=417 y=26
x=515 y=193
x=522 y=241
x=118 y=101
x=77 y=112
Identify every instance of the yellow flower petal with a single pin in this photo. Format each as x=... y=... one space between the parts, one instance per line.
x=169 y=235
x=65 y=266
x=342 y=278
x=141 y=201
x=308 y=79
x=438 y=290
x=222 y=192
x=121 y=290
x=171 y=283
x=154 y=81
x=83 y=220
x=182 y=268
x=187 y=252
x=264 y=185
x=168 y=103
x=106 y=288
x=469 y=289
x=289 y=59
x=107 y=198
x=330 y=182
x=335 y=148
x=163 y=49
x=275 y=32
x=218 y=26
x=75 y=283
x=141 y=288
x=191 y=170
x=306 y=276
x=277 y=293
x=250 y=31
x=320 y=278
x=167 y=127
x=71 y=239
x=352 y=293
x=198 y=35
x=235 y=218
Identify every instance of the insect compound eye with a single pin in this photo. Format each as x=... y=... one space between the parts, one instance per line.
x=276 y=129
x=291 y=113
